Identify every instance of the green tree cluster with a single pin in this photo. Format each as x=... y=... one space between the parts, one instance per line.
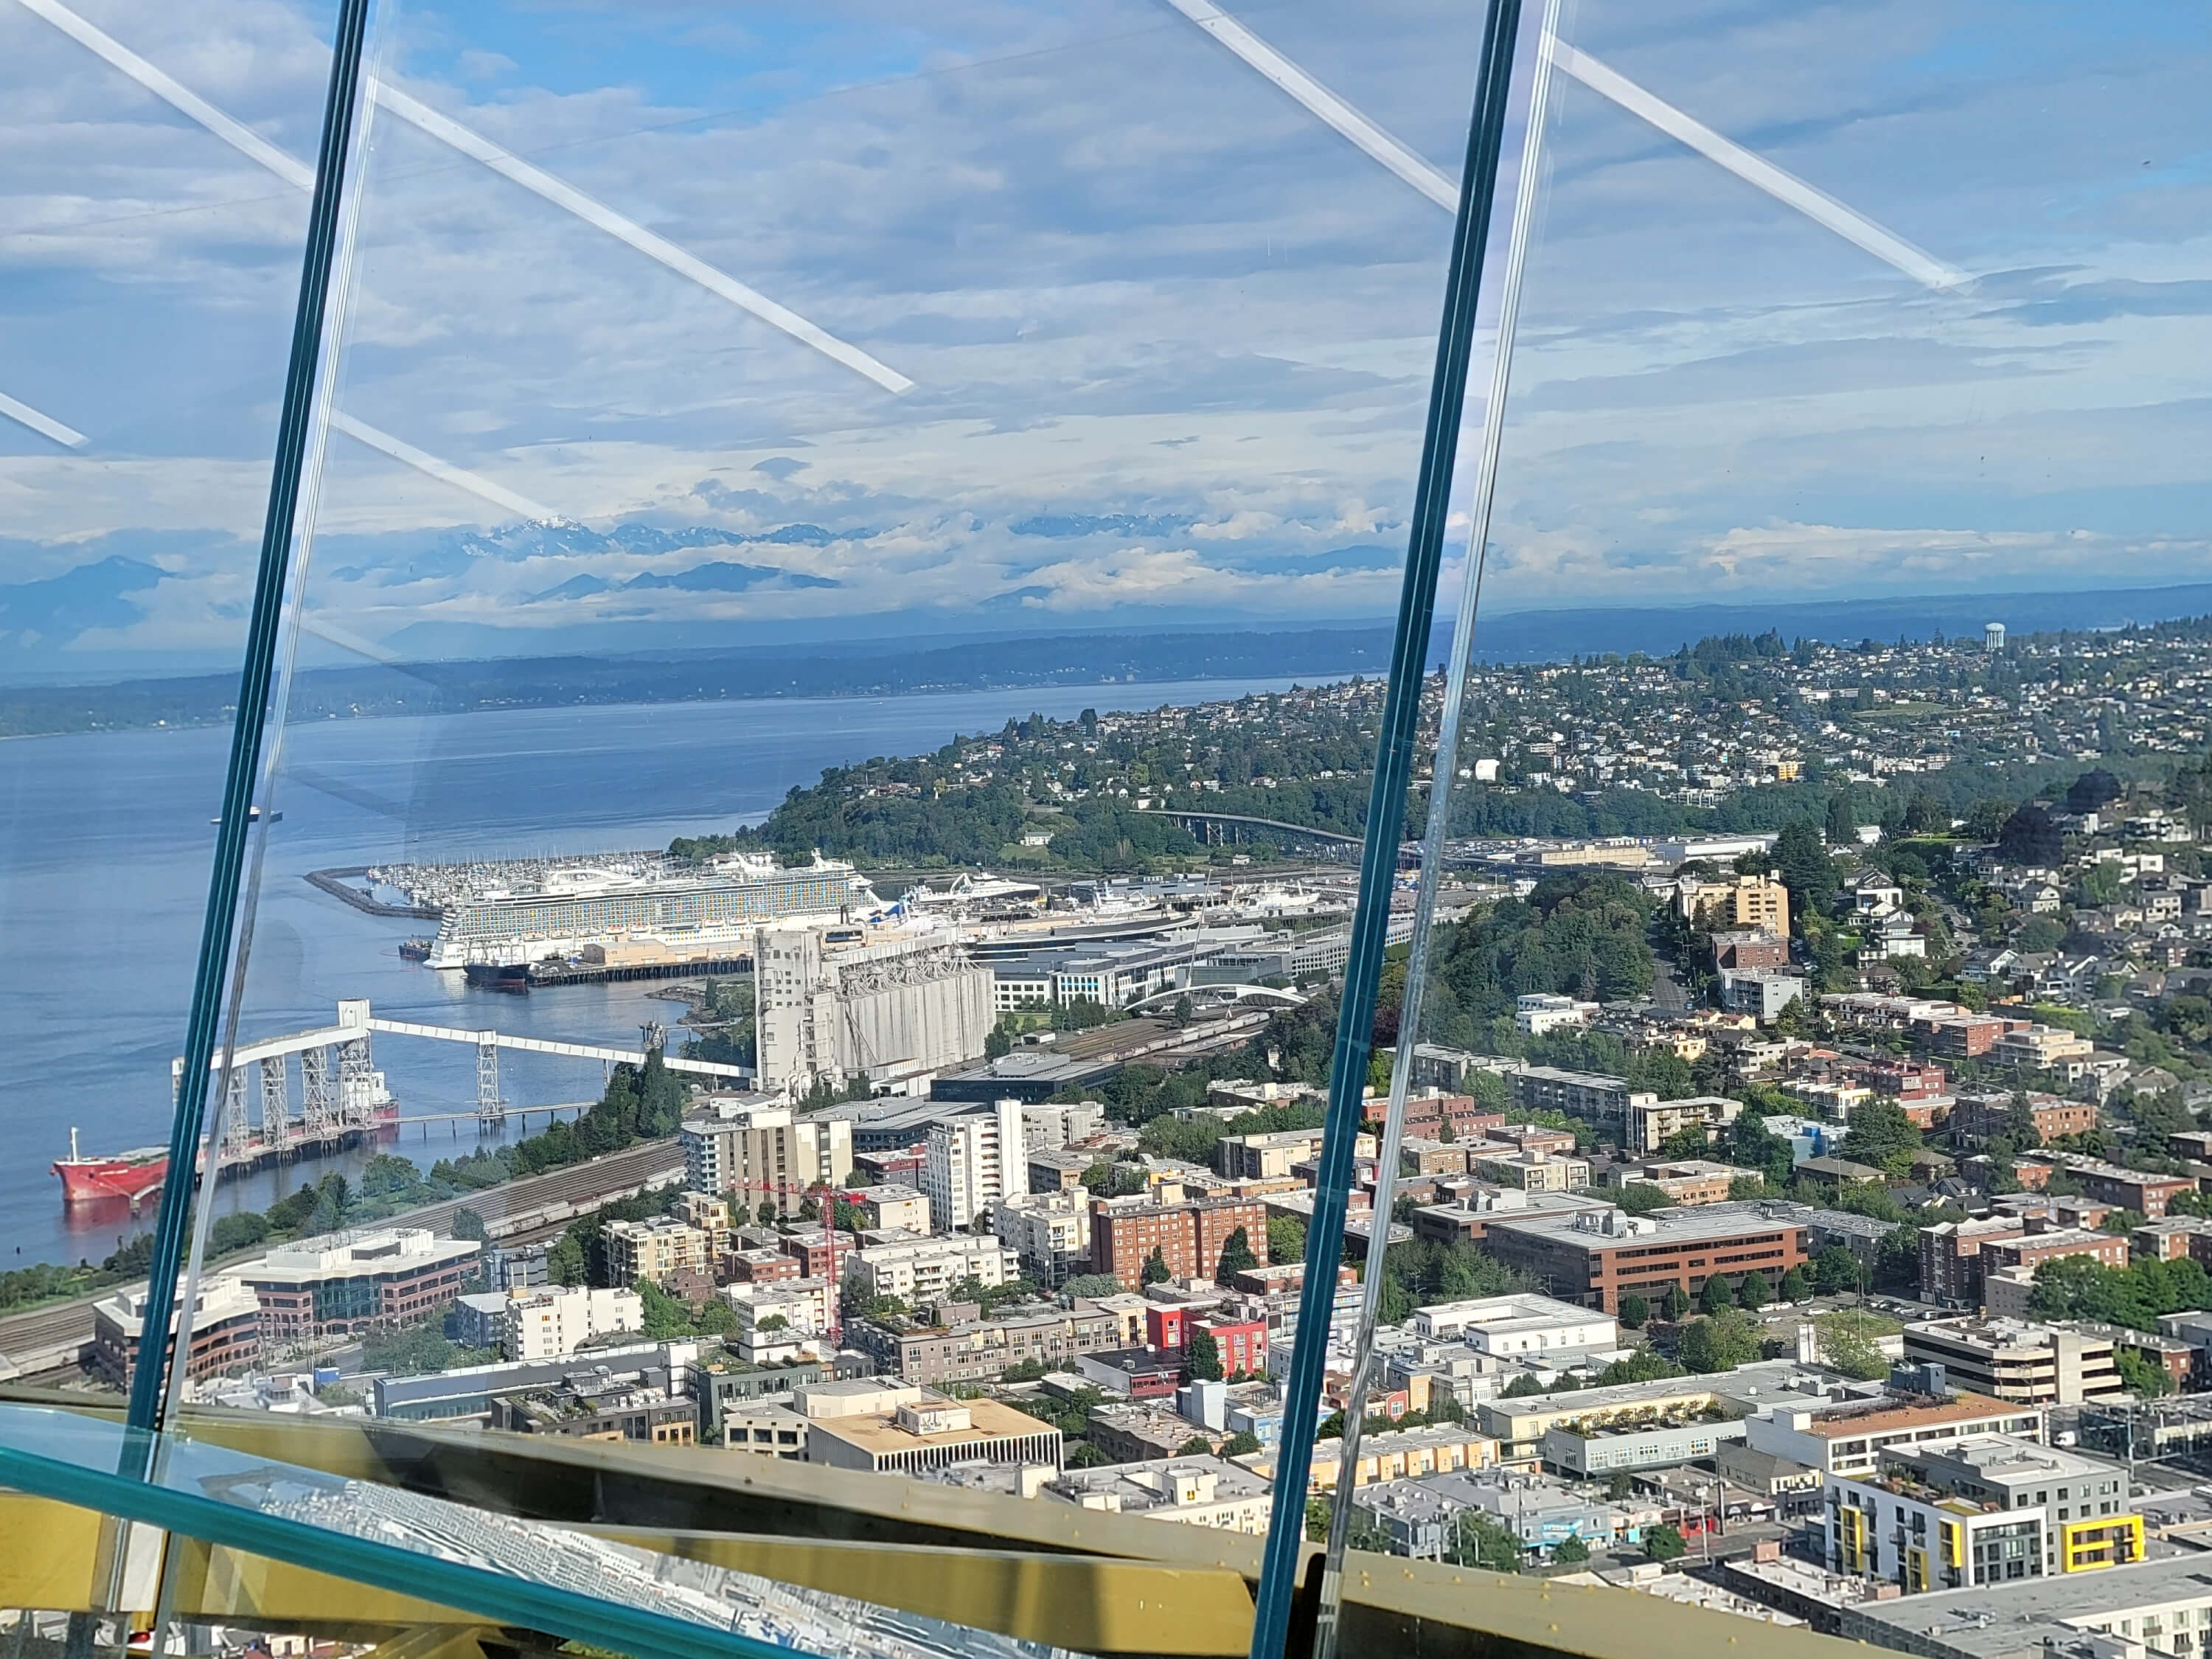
x=2076 y=1287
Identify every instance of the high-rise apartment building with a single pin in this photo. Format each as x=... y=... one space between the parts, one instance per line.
x=973 y=1161
x=755 y=1152
x=654 y=1250
x=1188 y=1235
x=1049 y=1231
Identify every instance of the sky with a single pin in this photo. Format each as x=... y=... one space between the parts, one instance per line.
x=1083 y=322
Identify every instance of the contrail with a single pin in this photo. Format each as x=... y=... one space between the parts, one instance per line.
x=1416 y=170
x=255 y=147
x=44 y=425
x=445 y=471
x=1785 y=187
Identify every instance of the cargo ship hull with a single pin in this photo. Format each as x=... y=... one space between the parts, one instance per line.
x=130 y=1175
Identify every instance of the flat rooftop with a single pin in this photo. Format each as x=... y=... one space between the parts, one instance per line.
x=1918 y=1411
x=882 y=1435
x=1687 y=1224
x=1993 y=1620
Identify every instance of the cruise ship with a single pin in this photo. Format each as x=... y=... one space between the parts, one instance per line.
x=612 y=913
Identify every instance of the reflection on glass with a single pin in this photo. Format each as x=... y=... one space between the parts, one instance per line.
x=370 y=1532
x=848 y=588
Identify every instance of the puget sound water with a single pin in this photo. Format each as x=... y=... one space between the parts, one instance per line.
x=104 y=865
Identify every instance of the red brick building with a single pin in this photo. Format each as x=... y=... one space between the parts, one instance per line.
x=1594 y=1257
x=1952 y=1267
x=764 y=1265
x=1124 y=1232
x=1979 y=1117
x=2032 y=1250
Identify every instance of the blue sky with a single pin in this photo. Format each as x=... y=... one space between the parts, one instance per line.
x=1169 y=336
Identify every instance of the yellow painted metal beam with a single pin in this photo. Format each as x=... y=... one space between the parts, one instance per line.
x=1093 y=1603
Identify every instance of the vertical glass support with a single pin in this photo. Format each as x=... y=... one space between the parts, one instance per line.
x=1442 y=775
x=340 y=108
x=1386 y=816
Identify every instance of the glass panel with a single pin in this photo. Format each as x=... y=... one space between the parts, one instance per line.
x=150 y=266
x=568 y=1584
x=1840 y=388
x=730 y=416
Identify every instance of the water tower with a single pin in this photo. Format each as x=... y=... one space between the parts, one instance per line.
x=1993 y=637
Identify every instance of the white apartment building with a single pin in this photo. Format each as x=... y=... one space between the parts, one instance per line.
x=553 y=1321
x=1049 y=1231
x=928 y=1267
x=1518 y=1326
x=1983 y=1511
x=894 y=1204
x=756 y=1151
x=803 y=1303
x=1848 y=1437
x=1197 y=1491
x=973 y=1161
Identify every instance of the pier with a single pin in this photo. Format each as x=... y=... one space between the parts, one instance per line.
x=342 y=1098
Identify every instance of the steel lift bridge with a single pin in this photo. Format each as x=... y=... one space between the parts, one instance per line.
x=343 y=1096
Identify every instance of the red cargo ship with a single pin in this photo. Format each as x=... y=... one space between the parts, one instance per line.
x=130 y=1175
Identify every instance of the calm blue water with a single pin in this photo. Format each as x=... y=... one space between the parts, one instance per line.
x=105 y=844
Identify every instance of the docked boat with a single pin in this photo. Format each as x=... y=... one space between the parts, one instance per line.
x=130 y=1175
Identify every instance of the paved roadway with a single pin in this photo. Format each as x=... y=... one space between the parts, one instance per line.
x=34 y=1340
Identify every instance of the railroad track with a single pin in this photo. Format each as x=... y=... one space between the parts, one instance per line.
x=51 y=1338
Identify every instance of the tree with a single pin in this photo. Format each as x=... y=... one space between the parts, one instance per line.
x=1675 y=1302
x=1803 y=864
x=1752 y=1145
x=1642 y=1366
x=1239 y=1444
x=2139 y=1375
x=1286 y=1238
x=1634 y=1310
x=765 y=1215
x=666 y=1317
x=1717 y=1293
x=566 y=1263
x=1719 y=1342
x=1642 y=1197
x=1522 y=1386
x=1197 y=1446
x=1572 y=1551
x=1236 y=1257
x=1480 y=1541
x=1756 y=1291
x=1882 y=1135
x=1664 y=1543
x=1843 y=821
x=1848 y=1342
x=467 y=1223
x=1091 y=1285
x=1203 y=1360
x=1156 y=1269
x=1086 y=1456
x=1835 y=1269
x=1796 y=1285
